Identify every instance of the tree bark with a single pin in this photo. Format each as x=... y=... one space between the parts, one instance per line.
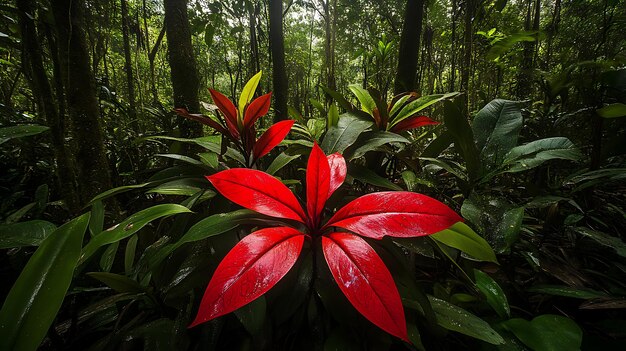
x=467 y=49
x=409 y=46
x=128 y=67
x=279 y=74
x=42 y=90
x=82 y=103
x=185 y=81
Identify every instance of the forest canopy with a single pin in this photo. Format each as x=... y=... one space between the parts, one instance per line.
x=312 y=174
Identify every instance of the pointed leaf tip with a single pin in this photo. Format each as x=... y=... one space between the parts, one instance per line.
x=272 y=137
x=249 y=270
x=317 y=183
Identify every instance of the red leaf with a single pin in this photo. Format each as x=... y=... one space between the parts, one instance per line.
x=258 y=191
x=365 y=280
x=272 y=137
x=338 y=172
x=413 y=123
x=394 y=213
x=202 y=119
x=249 y=270
x=317 y=184
x=228 y=109
x=257 y=108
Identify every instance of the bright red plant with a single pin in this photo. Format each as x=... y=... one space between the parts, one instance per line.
x=262 y=258
x=238 y=125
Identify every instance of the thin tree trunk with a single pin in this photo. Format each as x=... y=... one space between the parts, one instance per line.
x=409 y=46
x=80 y=89
x=151 y=58
x=278 y=60
x=128 y=67
x=185 y=81
x=66 y=178
x=255 y=65
x=453 y=46
x=467 y=50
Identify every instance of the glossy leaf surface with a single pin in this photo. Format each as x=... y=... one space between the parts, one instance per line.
x=36 y=297
x=203 y=119
x=228 y=109
x=248 y=91
x=257 y=108
x=249 y=270
x=258 y=191
x=413 y=123
x=364 y=279
x=547 y=332
x=399 y=214
x=272 y=137
x=317 y=183
x=338 y=171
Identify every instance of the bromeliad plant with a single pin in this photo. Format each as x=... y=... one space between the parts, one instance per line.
x=265 y=256
x=237 y=124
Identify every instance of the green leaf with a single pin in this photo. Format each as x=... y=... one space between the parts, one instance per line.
x=454 y=318
x=417 y=105
x=130 y=226
x=347 y=131
x=118 y=190
x=533 y=154
x=343 y=102
x=496 y=128
x=119 y=283
x=36 y=297
x=209 y=32
x=186 y=159
x=279 y=162
x=461 y=132
x=253 y=315
x=211 y=143
x=248 y=92
x=612 y=110
x=369 y=141
x=494 y=294
x=29 y=233
x=547 y=332
x=437 y=146
x=367 y=102
x=333 y=116
x=8 y=133
x=96 y=221
x=186 y=187
x=462 y=237
x=369 y=177
x=210 y=159
x=568 y=291
x=318 y=105
x=604 y=239
x=210 y=226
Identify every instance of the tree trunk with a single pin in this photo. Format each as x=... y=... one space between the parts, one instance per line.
x=279 y=75
x=409 y=46
x=82 y=103
x=467 y=50
x=455 y=13
x=128 y=67
x=255 y=64
x=185 y=81
x=47 y=107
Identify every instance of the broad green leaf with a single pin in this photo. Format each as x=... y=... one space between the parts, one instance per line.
x=457 y=319
x=367 y=102
x=130 y=226
x=210 y=159
x=461 y=132
x=108 y=257
x=186 y=159
x=496 y=128
x=411 y=181
x=612 y=110
x=96 y=220
x=502 y=46
x=414 y=336
x=279 y=162
x=119 y=283
x=333 y=116
x=318 y=105
x=567 y=291
x=186 y=187
x=210 y=226
x=36 y=297
x=248 y=92
x=398 y=105
x=343 y=102
x=367 y=176
x=253 y=315
x=211 y=143
x=494 y=294
x=8 y=133
x=369 y=141
x=450 y=166
x=417 y=105
x=347 y=131
x=437 y=146
x=533 y=154
x=604 y=239
x=129 y=253
x=29 y=233
x=463 y=238
x=547 y=332
x=119 y=190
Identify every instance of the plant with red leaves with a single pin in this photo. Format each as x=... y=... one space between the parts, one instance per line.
x=265 y=256
x=238 y=124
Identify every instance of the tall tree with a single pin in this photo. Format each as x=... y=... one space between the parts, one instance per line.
x=279 y=73
x=128 y=67
x=47 y=105
x=82 y=103
x=185 y=81
x=409 y=46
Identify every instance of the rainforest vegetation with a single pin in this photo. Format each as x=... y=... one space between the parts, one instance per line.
x=313 y=175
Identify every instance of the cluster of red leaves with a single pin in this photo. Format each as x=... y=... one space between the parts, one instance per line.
x=240 y=129
x=265 y=256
